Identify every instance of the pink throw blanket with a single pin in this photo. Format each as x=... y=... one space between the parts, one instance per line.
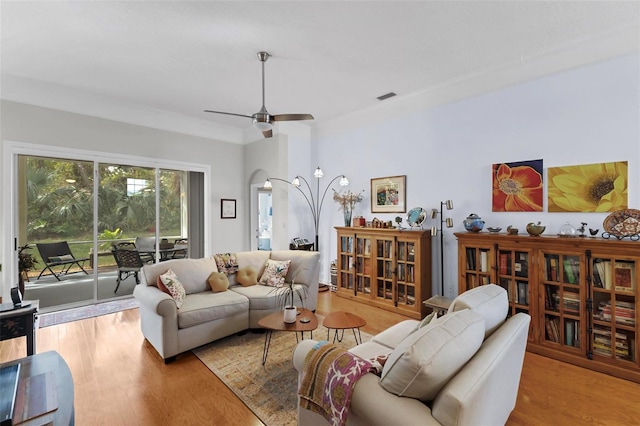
x=330 y=373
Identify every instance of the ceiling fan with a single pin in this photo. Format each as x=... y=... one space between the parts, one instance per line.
x=262 y=120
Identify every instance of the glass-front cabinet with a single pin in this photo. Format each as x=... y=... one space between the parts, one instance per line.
x=581 y=294
x=387 y=268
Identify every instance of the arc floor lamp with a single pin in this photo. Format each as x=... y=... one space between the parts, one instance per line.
x=315 y=202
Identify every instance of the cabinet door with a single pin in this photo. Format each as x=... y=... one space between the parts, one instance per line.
x=385 y=270
x=362 y=264
x=406 y=289
x=477 y=267
x=613 y=289
x=563 y=321
x=514 y=275
x=346 y=259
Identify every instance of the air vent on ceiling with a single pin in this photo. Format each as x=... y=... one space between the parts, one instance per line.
x=386 y=96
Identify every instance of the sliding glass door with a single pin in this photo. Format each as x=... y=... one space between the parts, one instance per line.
x=57 y=206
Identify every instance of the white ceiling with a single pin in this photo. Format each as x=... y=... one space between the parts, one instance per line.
x=329 y=59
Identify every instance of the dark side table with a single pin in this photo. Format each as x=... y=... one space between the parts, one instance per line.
x=21 y=322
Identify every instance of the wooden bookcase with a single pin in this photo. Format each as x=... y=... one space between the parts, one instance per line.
x=387 y=268
x=582 y=294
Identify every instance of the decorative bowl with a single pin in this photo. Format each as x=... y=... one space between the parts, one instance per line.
x=535 y=229
x=473 y=223
x=494 y=230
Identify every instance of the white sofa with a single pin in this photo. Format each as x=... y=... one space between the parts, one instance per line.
x=206 y=316
x=482 y=392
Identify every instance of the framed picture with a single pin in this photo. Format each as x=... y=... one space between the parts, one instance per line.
x=227 y=208
x=388 y=194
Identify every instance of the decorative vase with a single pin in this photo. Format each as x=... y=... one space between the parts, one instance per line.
x=347 y=217
x=473 y=223
x=290 y=313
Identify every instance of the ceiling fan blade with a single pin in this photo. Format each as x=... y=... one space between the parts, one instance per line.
x=292 y=117
x=228 y=113
x=267 y=133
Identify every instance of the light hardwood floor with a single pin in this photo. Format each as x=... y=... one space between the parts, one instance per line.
x=120 y=379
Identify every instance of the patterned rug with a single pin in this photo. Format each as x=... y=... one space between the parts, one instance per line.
x=90 y=311
x=269 y=390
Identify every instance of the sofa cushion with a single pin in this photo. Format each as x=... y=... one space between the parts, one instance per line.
x=392 y=336
x=162 y=287
x=247 y=276
x=175 y=287
x=490 y=301
x=227 y=263
x=218 y=282
x=206 y=306
x=192 y=273
x=427 y=359
x=274 y=272
x=264 y=297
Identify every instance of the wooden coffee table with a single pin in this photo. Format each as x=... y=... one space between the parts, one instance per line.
x=343 y=321
x=275 y=322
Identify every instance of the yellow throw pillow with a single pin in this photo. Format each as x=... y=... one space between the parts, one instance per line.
x=218 y=282
x=247 y=276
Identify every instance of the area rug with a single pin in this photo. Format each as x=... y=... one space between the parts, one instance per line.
x=90 y=311
x=270 y=391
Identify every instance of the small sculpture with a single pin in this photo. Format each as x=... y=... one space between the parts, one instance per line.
x=593 y=232
x=511 y=230
x=582 y=228
x=535 y=229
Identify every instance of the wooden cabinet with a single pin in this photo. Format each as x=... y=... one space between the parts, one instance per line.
x=582 y=294
x=387 y=268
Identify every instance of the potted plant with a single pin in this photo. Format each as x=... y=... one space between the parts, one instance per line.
x=286 y=296
x=26 y=262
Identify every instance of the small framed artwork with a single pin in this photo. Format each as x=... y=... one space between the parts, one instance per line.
x=388 y=194
x=227 y=208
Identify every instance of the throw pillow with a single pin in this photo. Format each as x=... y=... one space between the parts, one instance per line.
x=175 y=287
x=425 y=321
x=218 y=282
x=247 y=276
x=227 y=263
x=162 y=286
x=274 y=272
x=424 y=361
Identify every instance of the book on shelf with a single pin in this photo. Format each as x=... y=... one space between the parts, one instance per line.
x=504 y=264
x=471 y=259
x=568 y=332
x=521 y=267
x=604 y=272
x=552 y=269
x=571 y=271
x=551 y=324
x=625 y=276
x=597 y=278
x=484 y=267
x=523 y=293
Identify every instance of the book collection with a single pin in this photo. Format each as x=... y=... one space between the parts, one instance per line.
x=624 y=275
x=625 y=312
x=571 y=331
x=624 y=343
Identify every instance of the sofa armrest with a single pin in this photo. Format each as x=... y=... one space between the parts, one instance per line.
x=370 y=403
x=155 y=300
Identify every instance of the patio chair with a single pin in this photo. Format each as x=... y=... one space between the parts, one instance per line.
x=128 y=261
x=59 y=254
x=146 y=246
x=182 y=253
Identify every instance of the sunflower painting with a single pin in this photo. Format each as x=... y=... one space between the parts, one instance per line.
x=517 y=187
x=600 y=187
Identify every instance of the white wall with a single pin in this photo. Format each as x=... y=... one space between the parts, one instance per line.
x=35 y=125
x=585 y=115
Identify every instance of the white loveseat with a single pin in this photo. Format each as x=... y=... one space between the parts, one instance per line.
x=206 y=316
x=482 y=391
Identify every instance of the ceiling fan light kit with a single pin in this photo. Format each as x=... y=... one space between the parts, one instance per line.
x=262 y=120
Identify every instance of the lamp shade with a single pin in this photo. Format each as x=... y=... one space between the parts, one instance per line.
x=262 y=125
x=344 y=181
x=295 y=181
x=318 y=173
x=267 y=184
